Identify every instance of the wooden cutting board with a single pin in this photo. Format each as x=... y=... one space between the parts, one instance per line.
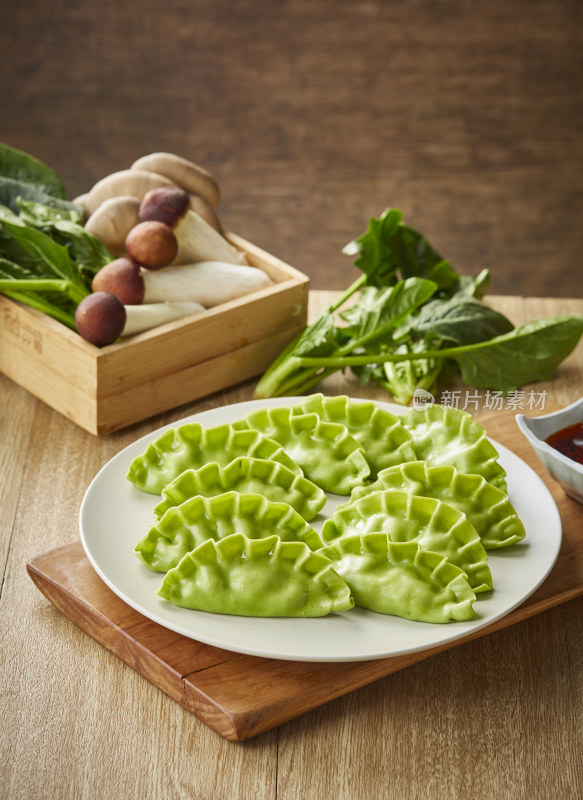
x=240 y=696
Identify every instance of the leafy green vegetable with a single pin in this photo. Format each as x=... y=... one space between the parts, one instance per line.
x=12 y=191
x=47 y=258
x=474 y=287
x=529 y=353
x=390 y=249
x=378 y=311
x=39 y=265
x=24 y=168
x=64 y=226
x=34 y=250
x=54 y=296
x=415 y=319
x=460 y=319
x=376 y=314
x=37 y=213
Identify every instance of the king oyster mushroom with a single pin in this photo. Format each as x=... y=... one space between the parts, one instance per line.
x=197 y=240
x=132 y=182
x=101 y=318
x=208 y=282
x=113 y=220
x=183 y=173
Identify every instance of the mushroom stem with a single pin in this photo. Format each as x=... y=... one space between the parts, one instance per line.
x=144 y=317
x=198 y=241
x=207 y=282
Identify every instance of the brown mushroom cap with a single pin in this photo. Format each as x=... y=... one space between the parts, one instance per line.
x=169 y=204
x=122 y=278
x=152 y=244
x=100 y=318
x=166 y=204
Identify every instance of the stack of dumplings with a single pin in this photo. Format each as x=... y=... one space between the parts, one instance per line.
x=425 y=499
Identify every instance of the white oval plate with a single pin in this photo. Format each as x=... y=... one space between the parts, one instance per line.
x=114 y=515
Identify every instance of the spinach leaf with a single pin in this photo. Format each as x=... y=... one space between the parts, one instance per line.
x=38 y=213
x=474 y=287
x=8 y=269
x=24 y=168
x=12 y=190
x=319 y=338
x=374 y=255
x=461 y=319
x=389 y=251
x=63 y=226
x=376 y=314
x=529 y=353
x=378 y=311
x=34 y=250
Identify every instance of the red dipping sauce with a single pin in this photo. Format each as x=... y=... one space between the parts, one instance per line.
x=568 y=441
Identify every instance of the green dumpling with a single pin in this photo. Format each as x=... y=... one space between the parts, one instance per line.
x=256 y=578
x=434 y=525
x=384 y=439
x=190 y=446
x=248 y=476
x=327 y=453
x=184 y=527
x=487 y=508
x=401 y=578
x=446 y=435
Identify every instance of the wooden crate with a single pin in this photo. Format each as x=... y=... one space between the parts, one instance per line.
x=105 y=389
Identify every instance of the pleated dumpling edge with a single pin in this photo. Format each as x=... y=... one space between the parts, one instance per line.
x=191 y=445
x=487 y=507
x=182 y=528
x=402 y=579
x=246 y=475
x=256 y=578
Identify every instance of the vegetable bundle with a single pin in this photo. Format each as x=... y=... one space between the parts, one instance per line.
x=47 y=258
x=416 y=319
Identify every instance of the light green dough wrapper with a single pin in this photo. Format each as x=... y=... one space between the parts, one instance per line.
x=434 y=525
x=488 y=509
x=184 y=527
x=401 y=579
x=382 y=435
x=327 y=453
x=248 y=476
x=446 y=435
x=256 y=578
x=191 y=446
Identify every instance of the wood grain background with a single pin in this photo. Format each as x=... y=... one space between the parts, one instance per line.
x=316 y=114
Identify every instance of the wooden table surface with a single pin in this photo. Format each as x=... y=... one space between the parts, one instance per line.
x=499 y=717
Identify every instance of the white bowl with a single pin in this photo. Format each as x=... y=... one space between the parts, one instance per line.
x=568 y=473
